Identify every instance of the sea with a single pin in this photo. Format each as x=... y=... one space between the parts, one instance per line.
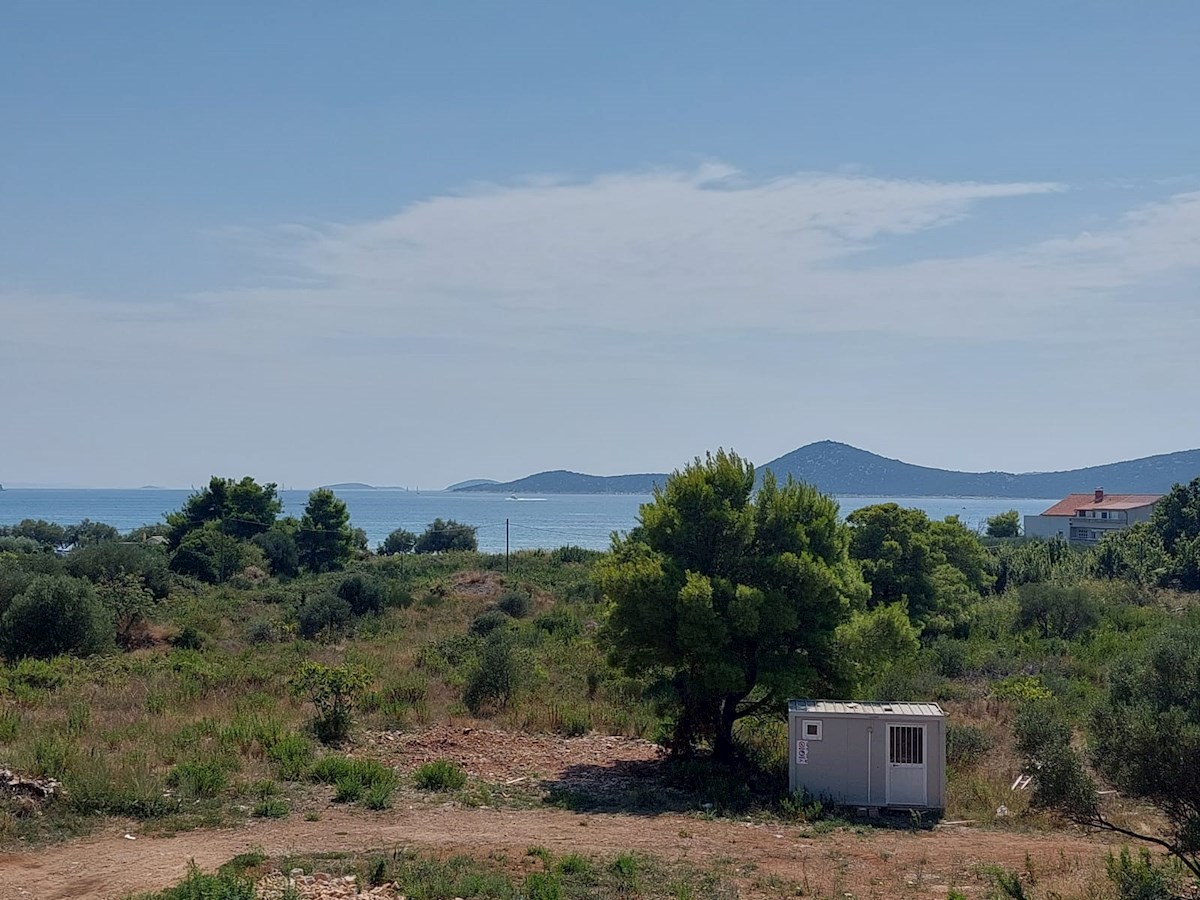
x=555 y=520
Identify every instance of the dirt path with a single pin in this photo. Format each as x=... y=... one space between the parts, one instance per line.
x=873 y=862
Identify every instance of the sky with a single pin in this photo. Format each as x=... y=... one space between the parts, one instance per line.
x=411 y=244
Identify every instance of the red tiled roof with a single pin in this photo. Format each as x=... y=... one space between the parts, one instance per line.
x=1072 y=502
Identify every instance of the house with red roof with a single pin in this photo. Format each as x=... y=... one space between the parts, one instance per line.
x=1086 y=518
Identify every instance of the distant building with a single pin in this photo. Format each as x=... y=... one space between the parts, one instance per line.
x=1086 y=518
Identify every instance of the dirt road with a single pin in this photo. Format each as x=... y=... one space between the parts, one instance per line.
x=865 y=863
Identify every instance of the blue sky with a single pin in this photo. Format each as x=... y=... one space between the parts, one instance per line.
x=413 y=243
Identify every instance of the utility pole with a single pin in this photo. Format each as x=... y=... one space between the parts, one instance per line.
x=507 y=565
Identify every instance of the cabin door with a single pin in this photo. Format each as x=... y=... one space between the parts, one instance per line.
x=906 y=776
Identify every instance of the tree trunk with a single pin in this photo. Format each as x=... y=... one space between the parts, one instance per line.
x=723 y=749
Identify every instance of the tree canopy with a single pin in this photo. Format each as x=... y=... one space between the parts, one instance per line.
x=324 y=538
x=241 y=509
x=935 y=568
x=1004 y=525
x=1177 y=521
x=399 y=541
x=730 y=598
x=442 y=536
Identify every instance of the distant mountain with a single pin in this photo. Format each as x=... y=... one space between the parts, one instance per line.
x=476 y=483
x=838 y=468
x=561 y=481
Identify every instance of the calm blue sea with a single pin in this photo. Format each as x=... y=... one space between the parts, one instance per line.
x=586 y=520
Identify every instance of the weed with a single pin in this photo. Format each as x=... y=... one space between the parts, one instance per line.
x=291 y=754
x=271 y=808
x=379 y=796
x=1142 y=878
x=440 y=775
x=543 y=886
x=200 y=778
x=574 y=865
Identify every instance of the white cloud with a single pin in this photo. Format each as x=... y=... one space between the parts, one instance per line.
x=622 y=294
x=707 y=250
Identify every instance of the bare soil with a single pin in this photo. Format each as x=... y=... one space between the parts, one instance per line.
x=765 y=859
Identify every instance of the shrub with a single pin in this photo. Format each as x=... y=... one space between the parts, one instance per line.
x=487 y=622
x=559 y=622
x=494 y=679
x=188 y=638
x=517 y=604
x=574 y=864
x=279 y=549
x=198 y=886
x=323 y=614
x=210 y=555
x=111 y=560
x=348 y=789
x=1142 y=878
x=572 y=554
x=966 y=744
x=334 y=691
x=440 y=775
x=1057 y=611
x=365 y=595
x=55 y=614
x=801 y=807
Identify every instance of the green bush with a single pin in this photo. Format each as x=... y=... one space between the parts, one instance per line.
x=559 y=622
x=487 y=622
x=572 y=554
x=494 y=679
x=280 y=552
x=110 y=560
x=55 y=615
x=335 y=691
x=517 y=604
x=440 y=775
x=365 y=595
x=209 y=555
x=323 y=614
x=271 y=808
x=1142 y=878
x=966 y=744
x=1058 y=611
x=379 y=796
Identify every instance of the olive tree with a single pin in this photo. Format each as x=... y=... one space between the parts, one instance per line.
x=729 y=599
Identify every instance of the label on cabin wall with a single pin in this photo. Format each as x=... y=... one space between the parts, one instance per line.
x=802 y=753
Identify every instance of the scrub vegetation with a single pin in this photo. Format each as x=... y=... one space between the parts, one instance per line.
x=233 y=663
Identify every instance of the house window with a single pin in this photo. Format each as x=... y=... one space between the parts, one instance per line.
x=1104 y=515
x=810 y=730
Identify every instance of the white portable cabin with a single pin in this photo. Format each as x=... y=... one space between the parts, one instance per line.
x=869 y=754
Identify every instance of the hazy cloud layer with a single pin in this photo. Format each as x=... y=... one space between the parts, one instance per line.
x=626 y=291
